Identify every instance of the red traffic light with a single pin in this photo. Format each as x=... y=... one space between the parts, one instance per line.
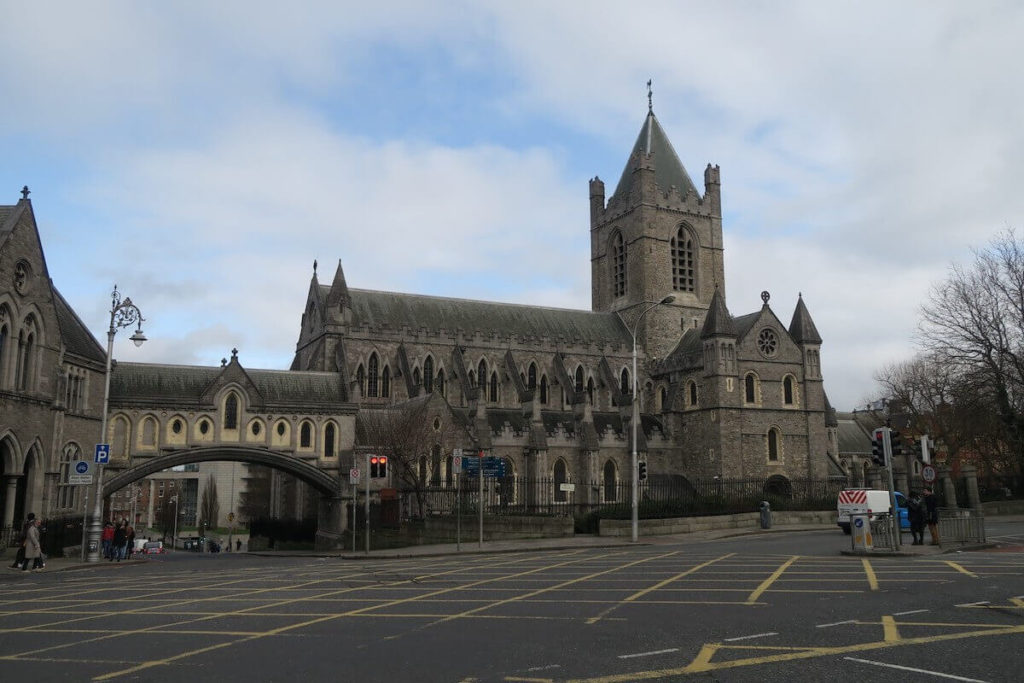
x=374 y=460
x=383 y=460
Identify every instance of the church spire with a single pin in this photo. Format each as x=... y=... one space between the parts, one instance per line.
x=653 y=150
x=802 y=328
x=718 y=322
x=339 y=288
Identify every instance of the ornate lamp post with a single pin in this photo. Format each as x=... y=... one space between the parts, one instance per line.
x=636 y=417
x=122 y=314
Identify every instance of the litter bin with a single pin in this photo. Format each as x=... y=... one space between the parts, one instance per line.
x=766 y=515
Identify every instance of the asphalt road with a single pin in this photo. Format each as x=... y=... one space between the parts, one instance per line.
x=766 y=608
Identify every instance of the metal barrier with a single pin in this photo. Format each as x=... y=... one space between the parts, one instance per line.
x=881 y=531
x=960 y=526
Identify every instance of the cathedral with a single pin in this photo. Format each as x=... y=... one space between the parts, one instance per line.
x=551 y=392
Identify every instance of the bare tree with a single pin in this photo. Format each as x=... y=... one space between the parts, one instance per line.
x=973 y=327
x=209 y=508
x=416 y=436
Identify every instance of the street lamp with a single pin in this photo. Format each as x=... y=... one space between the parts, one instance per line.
x=636 y=416
x=122 y=314
x=174 y=534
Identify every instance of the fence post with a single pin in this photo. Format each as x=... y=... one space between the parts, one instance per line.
x=948 y=489
x=970 y=473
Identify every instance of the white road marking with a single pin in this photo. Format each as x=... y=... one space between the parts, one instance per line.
x=973 y=604
x=920 y=671
x=836 y=623
x=542 y=668
x=648 y=654
x=756 y=635
x=913 y=611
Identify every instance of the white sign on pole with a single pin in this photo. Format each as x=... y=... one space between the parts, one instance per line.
x=567 y=487
x=353 y=476
x=81 y=475
x=457 y=461
x=928 y=474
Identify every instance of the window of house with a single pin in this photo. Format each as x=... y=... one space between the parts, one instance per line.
x=306 y=435
x=231 y=412
x=428 y=374
x=618 y=265
x=371 y=375
x=610 y=483
x=682 y=261
x=329 y=440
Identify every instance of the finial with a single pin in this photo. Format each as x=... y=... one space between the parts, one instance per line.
x=765 y=296
x=650 y=103
x=314 y=266
x=234 y=354
x=223 y=362
x=25 y=192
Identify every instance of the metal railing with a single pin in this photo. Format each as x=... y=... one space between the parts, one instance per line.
x=882 y=532
x=960 y=526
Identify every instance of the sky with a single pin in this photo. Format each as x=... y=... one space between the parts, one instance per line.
x=202 y=155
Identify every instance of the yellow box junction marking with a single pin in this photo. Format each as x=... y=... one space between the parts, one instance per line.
x=960 y=569
x=752 y=598
x=872 y=579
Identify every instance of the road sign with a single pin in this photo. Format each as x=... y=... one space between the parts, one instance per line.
x=928 y=474
x=81 y=475
x=567 y=487
x=102 y=453
x=457 y=463
x=353 y=476
x=493 y=466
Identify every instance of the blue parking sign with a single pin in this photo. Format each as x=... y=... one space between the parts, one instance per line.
x=102 y=453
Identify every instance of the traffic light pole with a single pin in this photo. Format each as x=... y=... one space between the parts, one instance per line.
x=368 y=503
x=887 y=446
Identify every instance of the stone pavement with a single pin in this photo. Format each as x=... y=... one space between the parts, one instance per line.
x=471 y=546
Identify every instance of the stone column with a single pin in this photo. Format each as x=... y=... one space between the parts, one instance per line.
x=970 y=473
x=948 y=489
x=875 y=478
x=856 y=475
x=9 y=498
x=900 y=478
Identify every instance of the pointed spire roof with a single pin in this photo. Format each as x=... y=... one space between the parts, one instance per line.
x=718 y=322
x=653 y=143
x=802 y=328
x=339 y=288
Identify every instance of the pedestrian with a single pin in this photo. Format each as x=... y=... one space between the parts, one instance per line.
x=238 y=545
x=129 y=544
x=915 y=515
x=108 y=539
x=19 y=558
x=117 y=548
x=931 y=515
x=33 y=551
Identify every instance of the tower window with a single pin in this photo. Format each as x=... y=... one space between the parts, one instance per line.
x=787 y=390
x=683 y=279
x=625 y=388
x=428 y=375
x=494 y=387
x=371 y=375
x=618 y=265
x=579 y=379
x=231 y=412
x=773 y=445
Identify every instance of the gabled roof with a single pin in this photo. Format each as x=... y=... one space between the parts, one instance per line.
x=397 y=310
x=76 y=336
x=652 y=142
x=802 y=328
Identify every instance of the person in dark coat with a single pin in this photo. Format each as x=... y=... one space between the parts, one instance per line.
x=120 y=536
x=931 y=515
x=915 y=515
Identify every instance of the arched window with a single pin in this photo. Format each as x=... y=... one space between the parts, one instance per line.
x=440 y=381
x=618 y=265
x=494 y=387
x=361 y=379
x=682 y=261
x=481 y=372
x=579 y=379
x=559 y=477
x=329 y=439
x=25 y=365
x=787 y=391
x=543 y=390
x=610 y=483
x=149 y=432
x=119 y=446
x=4 y=334
x=385 y=383
x=372 y=370
x=664 y=399
x=773 y=444
x=590 y=390
x=693 y=393
x=428 y=375
x=625 y=387
x=231 y=412
x=67 y=494
x=531 y=377
x=435 y=465
x=416 y=377
x=305 y=435
x=750 y=388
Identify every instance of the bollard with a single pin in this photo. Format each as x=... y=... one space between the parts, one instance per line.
x=766 y=515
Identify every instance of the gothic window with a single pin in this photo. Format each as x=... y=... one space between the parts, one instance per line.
x=435 y=465
x=481 y=372
x=440 y=381
x=428 y=375
x=618 y=265
x=149 y=432
x=119 y=439
x=663 y=402
x=494 y=388
x=559 y=477
x=682 y=261
x=256 y=428
x=693 y=394
x=787 y=390
x=385 y=383
x=361 y=379
x=329 y=440
x=25 y=367
x=306 y=435
x=610 y=483
x=590 y=390
x=750 y=388
x=4 y=334
x=579 y=379
x=416 y=377
x=231 y=412
x=531 y=377
x=543 y=390
x=472 y=378
x=372 y=370
x=67 y=494
x=281 y=428
x=625 y=388
x=773 y=444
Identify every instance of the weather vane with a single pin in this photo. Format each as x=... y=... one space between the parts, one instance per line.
x=650 y=103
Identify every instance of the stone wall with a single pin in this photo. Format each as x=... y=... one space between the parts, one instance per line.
x=686 y=525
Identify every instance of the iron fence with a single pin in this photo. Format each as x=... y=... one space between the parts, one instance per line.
x=882 y=535
x=959 y=526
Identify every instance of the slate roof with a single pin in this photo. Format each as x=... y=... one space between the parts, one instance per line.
x=397 y=310
x=185 y=384
x=743 y=323
x=76 y=336
x=718 y=321
x=6 y=211
x=802 y=328
x=668 y=170
x=853 y=438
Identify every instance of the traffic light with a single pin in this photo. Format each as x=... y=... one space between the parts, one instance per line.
x=641 y=471
x=895 y=443
x=915 y=448
x=374 y=466
x=878 y=448
x=382 y=466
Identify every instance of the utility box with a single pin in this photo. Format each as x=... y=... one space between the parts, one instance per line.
x=860 y=532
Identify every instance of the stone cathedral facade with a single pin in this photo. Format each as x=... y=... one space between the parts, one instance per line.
x=551 y=390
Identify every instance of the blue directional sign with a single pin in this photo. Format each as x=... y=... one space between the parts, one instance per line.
x=492 y=464
x=102 y=453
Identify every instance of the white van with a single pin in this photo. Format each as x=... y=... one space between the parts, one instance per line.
x=870 y=501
